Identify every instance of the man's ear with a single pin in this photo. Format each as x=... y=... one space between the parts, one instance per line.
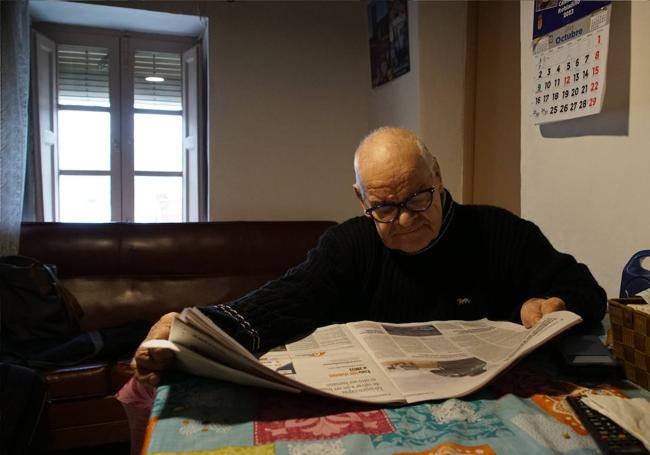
x=357 y=192
x=437 y=175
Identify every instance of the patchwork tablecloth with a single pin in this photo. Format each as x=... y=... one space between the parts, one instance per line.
x=522 y=412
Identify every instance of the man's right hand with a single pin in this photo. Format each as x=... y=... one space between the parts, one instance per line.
x=149 y=362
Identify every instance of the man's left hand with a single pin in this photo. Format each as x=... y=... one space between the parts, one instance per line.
x=533 y=310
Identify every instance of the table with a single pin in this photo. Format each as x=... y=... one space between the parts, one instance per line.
x=523 y=411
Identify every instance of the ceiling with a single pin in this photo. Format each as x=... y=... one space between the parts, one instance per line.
x=135 y=20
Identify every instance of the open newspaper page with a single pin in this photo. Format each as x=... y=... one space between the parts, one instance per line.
x=437 y=360
x=366 y=361
x=333 y=361
x=327 y=362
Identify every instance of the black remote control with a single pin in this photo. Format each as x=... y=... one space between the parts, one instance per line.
x=609 y=436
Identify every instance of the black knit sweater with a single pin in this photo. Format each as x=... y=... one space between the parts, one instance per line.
x=485 y=263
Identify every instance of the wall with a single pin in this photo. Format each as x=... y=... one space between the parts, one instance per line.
x=443 y=85
x=497 y=138
x=289 y=105
x=431 y=98
x=586 y=183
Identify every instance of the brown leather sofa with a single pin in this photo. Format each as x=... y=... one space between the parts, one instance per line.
x=125 y=272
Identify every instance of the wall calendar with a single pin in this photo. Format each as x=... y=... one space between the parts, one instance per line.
x=570 y=41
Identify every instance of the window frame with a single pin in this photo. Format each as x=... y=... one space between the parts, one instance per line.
x=121 y=47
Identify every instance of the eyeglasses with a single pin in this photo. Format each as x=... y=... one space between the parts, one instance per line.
x=389 y=211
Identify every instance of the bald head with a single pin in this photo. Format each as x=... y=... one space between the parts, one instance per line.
x=388 y=147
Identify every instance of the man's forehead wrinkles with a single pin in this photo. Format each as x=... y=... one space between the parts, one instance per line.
x=386 y=193
x=399 y=184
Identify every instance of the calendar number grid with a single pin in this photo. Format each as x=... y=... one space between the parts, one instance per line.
x=569 y=74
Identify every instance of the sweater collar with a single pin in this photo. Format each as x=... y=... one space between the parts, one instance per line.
x=448 y=209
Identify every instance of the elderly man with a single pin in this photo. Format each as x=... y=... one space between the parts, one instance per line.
x=415 y=255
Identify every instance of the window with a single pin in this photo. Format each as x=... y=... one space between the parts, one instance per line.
x=118 y=126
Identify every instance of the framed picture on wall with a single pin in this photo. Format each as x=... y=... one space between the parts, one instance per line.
x=389 y=40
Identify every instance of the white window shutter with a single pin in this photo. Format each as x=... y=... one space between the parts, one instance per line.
x=164 y=95
x=45 y=128
x=82 y=75
x=191 y=80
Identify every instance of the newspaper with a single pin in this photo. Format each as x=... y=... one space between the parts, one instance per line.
x=366 y=361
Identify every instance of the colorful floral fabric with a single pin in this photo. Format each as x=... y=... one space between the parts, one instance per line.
x=523 y=411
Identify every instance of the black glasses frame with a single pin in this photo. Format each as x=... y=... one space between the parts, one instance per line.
x=401 y=205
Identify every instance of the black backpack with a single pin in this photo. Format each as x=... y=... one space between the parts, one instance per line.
x=34 y=306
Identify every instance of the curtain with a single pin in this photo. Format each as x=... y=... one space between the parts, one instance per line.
x=14 y=96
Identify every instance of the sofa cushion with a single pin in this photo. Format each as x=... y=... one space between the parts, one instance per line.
x=89 y=380
x=115 y=301
x=64 y=414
